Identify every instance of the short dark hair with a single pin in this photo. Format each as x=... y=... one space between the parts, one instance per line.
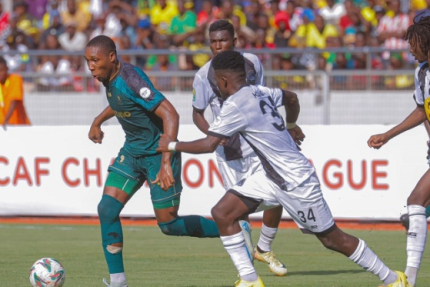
x=3 y=61
x=229 y=61
x=103 y=42
x=222 y=25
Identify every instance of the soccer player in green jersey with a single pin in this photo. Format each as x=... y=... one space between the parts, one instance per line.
x=144 y=114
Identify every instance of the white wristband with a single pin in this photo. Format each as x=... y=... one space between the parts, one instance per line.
x=171 y=146
x=291 y=126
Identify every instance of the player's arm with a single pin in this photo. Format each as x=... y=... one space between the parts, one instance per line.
x=9 y=113
x=415 y=118
x=204 y=145
x=96 y=133
x=291 y=103
x=170 y=117
x=200 y=120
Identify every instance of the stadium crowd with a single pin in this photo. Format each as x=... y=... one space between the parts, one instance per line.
x=181 y=25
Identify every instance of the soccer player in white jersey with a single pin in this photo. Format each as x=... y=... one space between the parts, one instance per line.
x=287 y=177
x=418 y=35
x=236 y=160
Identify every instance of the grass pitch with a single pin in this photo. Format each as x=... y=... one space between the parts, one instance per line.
x=156 y=260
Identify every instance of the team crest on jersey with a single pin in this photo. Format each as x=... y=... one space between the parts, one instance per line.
x=145 y=93
x=119 y=100
x=109 y=94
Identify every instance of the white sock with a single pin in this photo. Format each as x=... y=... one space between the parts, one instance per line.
x=117 y=277
x=235 y=247
x=267 y=235
x=416 y=241
x=365 y=257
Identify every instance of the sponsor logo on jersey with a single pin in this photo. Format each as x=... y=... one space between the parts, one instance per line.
x=145 y=93
x=125 y=114
x=109 y=94
x=121 y=158
x=194 y=95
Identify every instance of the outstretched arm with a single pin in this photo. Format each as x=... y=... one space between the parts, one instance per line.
x=9 y=113
x=96 y=133
x=415 y=118
x=205 y=145
x=170 y=117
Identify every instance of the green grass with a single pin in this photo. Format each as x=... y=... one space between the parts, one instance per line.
x=153 y=259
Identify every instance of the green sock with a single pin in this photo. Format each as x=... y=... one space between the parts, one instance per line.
x=428 y=211
x=109 y=209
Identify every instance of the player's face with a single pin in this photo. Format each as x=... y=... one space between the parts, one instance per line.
x=3 y=73
x=220 y=41
x=417 y=52
x=100 y=63
x=222 y=84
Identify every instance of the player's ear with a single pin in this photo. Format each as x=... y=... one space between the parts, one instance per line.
x=234 y=42
x=112 y=56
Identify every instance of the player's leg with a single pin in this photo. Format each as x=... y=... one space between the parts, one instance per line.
x=166 y=203
x=417 y=231
x=227 y=213
x=118 y=190
x=316 y=217
x=263 y=250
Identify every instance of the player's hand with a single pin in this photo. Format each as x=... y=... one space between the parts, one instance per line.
x=96 y=134
x=297 y=135
x=377 y=141
x=223 y=142
x=163 y=143
x=164 y=177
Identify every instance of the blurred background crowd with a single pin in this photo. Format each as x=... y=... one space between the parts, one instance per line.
x=287 y=26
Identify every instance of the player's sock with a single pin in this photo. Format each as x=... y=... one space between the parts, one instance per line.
x=235 y=247
x=109 y=209
x=117 y=277
x=428 y=211
x=365 y=257
x=267 y=235
x=416 y=241
x=191 y=225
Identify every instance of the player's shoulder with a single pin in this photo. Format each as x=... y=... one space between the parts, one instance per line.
x=15 y=78
x=204 y=70
x=252 y=57
x=129 y=70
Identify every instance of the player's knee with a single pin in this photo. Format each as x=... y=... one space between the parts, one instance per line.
x=108 y=209
x=170 y=228
x=216 y=213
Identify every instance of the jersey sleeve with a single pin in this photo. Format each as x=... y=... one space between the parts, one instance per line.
x=276 y=94
x=419 y=81
x=201 y=94
x=143 y=92
x=260 y=73
x=230 y=121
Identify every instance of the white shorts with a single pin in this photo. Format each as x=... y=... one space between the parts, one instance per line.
x=234 y=171
x=305 y=203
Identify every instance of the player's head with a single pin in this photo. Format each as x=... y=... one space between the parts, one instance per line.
x=418 y=36
x=221 y=36
x=230 y=75
x=101 y=57
x=3 y=70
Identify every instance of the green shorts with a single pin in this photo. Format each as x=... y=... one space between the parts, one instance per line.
x=129 y=173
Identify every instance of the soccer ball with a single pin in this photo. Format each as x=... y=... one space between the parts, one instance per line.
x=47 y=272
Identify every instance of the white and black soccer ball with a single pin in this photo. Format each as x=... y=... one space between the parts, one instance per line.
x=47 y=272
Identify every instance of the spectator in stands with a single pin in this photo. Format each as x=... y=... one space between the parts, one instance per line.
x=181 y=24
x=207 y=15
x=228 y=9
x=121 y=16
x=15 y=52
x=25 y=21
x=398 y=82
x=37 y=9
x=102 y=29
x=12 y=109
x=294 y=15
x=46 y=19
x=283 y=32
x=392 y=29
x=72 y=40
x=79 y=16
x=332 y=12
x=4 y=19
x=161 y=15
x=124 y=43
x=252 y=10
x=57 y=75
x=314 y=34
x=198 y=60
x=245 y=35
x=56 y=28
